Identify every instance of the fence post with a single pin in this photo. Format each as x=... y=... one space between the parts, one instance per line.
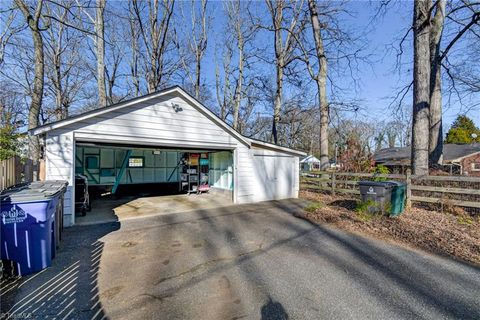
x=408 y=181
x=332 y=181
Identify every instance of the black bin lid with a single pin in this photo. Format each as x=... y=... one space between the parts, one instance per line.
x=33 y=191
x=382 y=184
x=396 y=183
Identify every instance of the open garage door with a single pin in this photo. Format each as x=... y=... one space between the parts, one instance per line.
x=130 y=180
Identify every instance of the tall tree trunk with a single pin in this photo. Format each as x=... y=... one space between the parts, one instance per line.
x=135 y=52
x=421 y=87
x=278 y=101
x=321 y=80
x=238 y=89
x=100 y=47
x=198 y=70
x=391 y=138
x=279 y=65
x=57 y=84
x=38 y=80
x=436 y=132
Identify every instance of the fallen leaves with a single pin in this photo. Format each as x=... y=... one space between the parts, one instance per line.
x=429 y=230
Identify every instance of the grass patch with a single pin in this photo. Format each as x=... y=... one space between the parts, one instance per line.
x=465 y=220
x=313 y=207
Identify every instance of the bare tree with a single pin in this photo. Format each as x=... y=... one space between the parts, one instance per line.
x=241 y=34
x=421 y=86
x=155 y=35
x=54 y=50
x=115 y=54
x=98 y=38
x=320 y=77
x=100 y=51
x=436 y=132
x=198 y=41
x=439 y=47
x=134 y=36
x=224 y=92
x=283 y=48
x=7 y=31
x=65 y=73
x=33 y=20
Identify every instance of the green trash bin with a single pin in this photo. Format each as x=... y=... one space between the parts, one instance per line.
x=397 y=198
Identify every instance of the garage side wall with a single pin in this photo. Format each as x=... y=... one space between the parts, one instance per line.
x=266 y=175
x=59 y=164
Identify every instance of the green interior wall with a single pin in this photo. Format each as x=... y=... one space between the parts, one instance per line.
x=158 y=166
x=221 y=170
x=101 y=165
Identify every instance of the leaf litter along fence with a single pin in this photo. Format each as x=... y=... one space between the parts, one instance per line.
x=439 y=191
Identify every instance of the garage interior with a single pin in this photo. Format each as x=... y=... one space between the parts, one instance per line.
x=126 y=181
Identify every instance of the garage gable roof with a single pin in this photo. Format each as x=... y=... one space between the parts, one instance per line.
x=275 y=147
x=182 y=93
x=176 y=89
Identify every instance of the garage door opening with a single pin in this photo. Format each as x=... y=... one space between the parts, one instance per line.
x=130 y=181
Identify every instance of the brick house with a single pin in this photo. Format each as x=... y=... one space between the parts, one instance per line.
x=458 y=159
x=471 y=165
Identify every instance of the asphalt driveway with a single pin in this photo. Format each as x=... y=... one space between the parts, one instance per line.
x=253 y=262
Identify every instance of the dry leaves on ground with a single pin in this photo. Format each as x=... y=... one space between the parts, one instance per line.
x=443 y=233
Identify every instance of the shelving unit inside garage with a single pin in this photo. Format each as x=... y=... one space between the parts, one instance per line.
x=195 y=172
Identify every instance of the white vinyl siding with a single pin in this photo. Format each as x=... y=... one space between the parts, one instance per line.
x=158 y=123
x=60 y=165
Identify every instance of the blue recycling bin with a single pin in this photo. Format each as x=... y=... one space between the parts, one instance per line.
x=31 y=224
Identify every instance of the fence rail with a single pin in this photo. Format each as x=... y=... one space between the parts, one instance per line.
x=455 y=190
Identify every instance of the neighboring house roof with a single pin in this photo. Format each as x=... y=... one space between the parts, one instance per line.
x=401 y=156
x=310 y=159
x=155 y=95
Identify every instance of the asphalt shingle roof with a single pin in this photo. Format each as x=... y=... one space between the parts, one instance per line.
x=450 y=152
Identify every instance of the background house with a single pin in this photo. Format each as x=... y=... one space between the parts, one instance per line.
x=463 y=159
x=310 y=163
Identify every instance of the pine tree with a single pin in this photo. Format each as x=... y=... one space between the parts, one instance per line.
x=461 y=131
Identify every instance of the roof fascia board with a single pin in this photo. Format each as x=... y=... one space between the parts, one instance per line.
x=275 y=147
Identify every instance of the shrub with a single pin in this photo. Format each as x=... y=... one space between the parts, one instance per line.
x=370 y=209
x=380 y=169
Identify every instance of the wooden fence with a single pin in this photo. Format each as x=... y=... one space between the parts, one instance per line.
x=10 y=172
x=452 y=190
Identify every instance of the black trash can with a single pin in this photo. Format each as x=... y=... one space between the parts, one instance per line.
x=377 y=195
x=82 y=198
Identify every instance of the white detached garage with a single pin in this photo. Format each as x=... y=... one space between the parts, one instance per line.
x=144 y=140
